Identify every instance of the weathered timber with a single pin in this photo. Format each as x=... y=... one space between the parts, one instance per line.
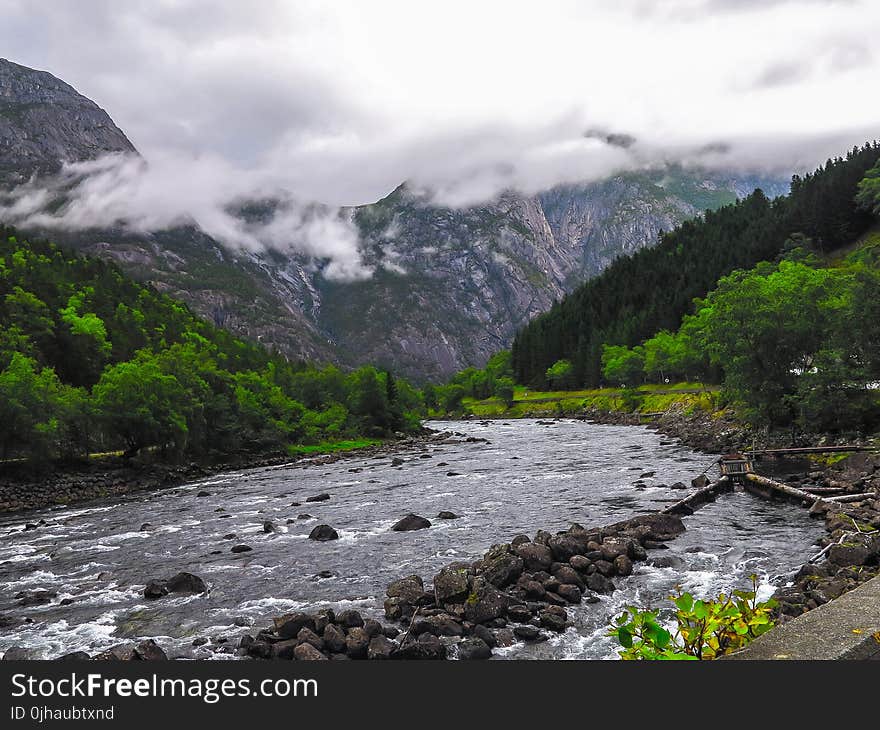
x=807 y=450
x=784 y=489
x=851 y=497
x=696 y=500
x=826 y=490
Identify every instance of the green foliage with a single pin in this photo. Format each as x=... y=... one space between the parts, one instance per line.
x=505 y=390
x=705 y=629
x=559 y=375
x=869 y=190
x=91 y=360
x=623 y=365
x=794 y=342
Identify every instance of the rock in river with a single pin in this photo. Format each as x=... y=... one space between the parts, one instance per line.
x=318 y=498
x=186 y=583
x=323 y=533
x=411 y=522
x=241 y=548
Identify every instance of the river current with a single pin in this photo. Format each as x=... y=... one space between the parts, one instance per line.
x=531 y=475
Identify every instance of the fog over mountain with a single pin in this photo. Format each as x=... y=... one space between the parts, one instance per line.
x=535 y=144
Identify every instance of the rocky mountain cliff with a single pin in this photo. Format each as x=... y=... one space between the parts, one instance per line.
x=449 y=288
x=44 y=122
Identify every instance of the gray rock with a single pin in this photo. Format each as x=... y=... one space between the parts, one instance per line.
x=411 y=522
x=323 y=533
x=307 y=653
x=473 y=648
x=534 y=555
x=451 y=585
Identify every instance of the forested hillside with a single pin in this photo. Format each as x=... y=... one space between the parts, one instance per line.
x=92 y=361
x=653 y=289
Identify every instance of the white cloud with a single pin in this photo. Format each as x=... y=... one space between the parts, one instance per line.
x=339 y=102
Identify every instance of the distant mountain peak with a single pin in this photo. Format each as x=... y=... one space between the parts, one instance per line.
x=45 y=122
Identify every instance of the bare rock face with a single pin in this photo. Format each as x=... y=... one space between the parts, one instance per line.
x=44 y=121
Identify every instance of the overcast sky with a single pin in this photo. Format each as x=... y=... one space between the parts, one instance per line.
x=338 y=102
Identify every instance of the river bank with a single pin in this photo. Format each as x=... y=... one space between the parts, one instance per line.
x=22 y=489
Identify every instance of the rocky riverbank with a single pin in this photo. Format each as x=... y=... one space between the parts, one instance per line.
x=22 y=489
x=849 y=554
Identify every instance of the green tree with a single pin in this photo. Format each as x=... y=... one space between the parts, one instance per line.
x=504 y=389
x=560 y=375
x=139 y=405
x=623 y=365
x=868 y=195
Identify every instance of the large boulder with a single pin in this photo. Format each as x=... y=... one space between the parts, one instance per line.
x=380 y=647
x=410 y=589
x=552 y=621
x=570 y=593
x=474 y=648
x=323 y=533
x=849 y=553
x=289 y=625
x=307 y=636
x=612 y=547
x=568 y=544
x=567 y=574
x=660 y=526
x=598 y=583
x=306 y=652
x=350 y=619
x=535 y=556
x=441 y=624
x=500 y=567
x=452 y=584
x=411 y=522
x=356 y=643
x=485 y=602
x=334 y=639
x=149 y=651
x=186 y=583
x=155 y=589
x=426 y=646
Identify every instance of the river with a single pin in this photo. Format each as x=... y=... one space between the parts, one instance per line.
x=532 y=475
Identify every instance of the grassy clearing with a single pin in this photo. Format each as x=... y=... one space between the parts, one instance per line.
x=331 y=447
x=686 y=397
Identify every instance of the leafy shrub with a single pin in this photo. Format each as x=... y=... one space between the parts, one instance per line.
x=705 y=629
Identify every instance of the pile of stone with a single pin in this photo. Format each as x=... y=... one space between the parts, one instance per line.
x=518 y=591
x=850 y=556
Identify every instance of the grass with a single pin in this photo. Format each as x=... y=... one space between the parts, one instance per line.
x=331 y=447
x=686 y=397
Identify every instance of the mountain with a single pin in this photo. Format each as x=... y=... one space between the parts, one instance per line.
x=44 y=121
x=450 y=286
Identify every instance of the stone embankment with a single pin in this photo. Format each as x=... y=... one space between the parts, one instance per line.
x=21 y=489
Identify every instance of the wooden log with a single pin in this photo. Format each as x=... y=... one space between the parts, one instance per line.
x=785 y=489
x=826 y=490
x=851 y=497
x=696 y=500
x=808 y=450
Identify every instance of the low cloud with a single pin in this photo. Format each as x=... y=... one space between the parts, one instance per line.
x=125 y=191
x=327 y=105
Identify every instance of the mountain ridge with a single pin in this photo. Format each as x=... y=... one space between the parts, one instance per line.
x=450 y=286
